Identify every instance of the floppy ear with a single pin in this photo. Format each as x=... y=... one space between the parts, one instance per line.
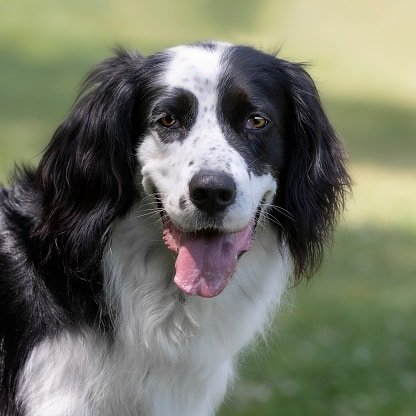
x=315 y=180
x=86 y=175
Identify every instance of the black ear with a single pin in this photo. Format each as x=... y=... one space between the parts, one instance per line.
x=86 y=175
x=315 y=181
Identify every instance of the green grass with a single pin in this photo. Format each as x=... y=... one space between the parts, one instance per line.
x=344 y=344
x=347 y=345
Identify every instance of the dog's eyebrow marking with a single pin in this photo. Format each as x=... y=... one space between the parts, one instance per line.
x=183 y=105
x=179 y=101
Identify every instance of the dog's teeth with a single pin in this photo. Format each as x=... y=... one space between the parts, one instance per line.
x=169 y=241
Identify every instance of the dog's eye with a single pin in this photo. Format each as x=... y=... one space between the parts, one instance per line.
x=169 y=121
x=256 y=122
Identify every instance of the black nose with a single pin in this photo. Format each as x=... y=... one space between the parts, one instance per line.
x=212 y=191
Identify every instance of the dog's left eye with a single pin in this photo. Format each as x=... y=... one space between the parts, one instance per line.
x=256 y=122
x=169 y=121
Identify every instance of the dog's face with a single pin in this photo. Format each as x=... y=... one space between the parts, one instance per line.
x=211 y=154
x=219 y=136
x=211 y=143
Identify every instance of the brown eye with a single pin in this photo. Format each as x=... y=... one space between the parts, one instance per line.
x=256 y=122
x=169 y=121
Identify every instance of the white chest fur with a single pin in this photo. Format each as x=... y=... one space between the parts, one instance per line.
x=171 y=355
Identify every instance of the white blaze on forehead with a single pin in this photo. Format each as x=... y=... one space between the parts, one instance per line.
x=195 y=68
x=198 y=69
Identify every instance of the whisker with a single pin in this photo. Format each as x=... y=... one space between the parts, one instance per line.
x=268 y=216
x=281 y=210
x=254 y=161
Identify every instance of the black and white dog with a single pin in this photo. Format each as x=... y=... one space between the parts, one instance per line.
x=123 y=285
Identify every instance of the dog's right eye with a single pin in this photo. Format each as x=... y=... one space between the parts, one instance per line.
x=256 y=122
x=169 y=121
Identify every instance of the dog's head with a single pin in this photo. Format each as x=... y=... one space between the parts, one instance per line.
x=220 y=135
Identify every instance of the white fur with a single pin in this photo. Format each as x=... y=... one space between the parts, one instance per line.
x=169 y=357
x=172 y=355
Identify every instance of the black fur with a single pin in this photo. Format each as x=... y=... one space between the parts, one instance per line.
x=314 y=181
x=56 y=218
x=300 y=144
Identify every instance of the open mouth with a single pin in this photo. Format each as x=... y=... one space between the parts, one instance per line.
x=206 y=259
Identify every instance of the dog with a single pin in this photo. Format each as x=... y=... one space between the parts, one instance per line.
x=160 y=229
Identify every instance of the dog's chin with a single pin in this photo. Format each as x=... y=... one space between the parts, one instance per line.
x=206 y=258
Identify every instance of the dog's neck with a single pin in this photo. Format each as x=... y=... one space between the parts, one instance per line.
x=150 y=310
x=189 y=339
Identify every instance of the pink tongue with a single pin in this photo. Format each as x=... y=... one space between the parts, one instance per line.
x=206 y=263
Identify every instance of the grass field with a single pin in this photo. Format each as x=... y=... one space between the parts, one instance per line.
x=345 y=343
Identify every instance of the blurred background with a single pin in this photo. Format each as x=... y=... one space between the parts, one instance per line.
x=344 y=343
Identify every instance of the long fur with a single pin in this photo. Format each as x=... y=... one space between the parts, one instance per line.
x=91 y=322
